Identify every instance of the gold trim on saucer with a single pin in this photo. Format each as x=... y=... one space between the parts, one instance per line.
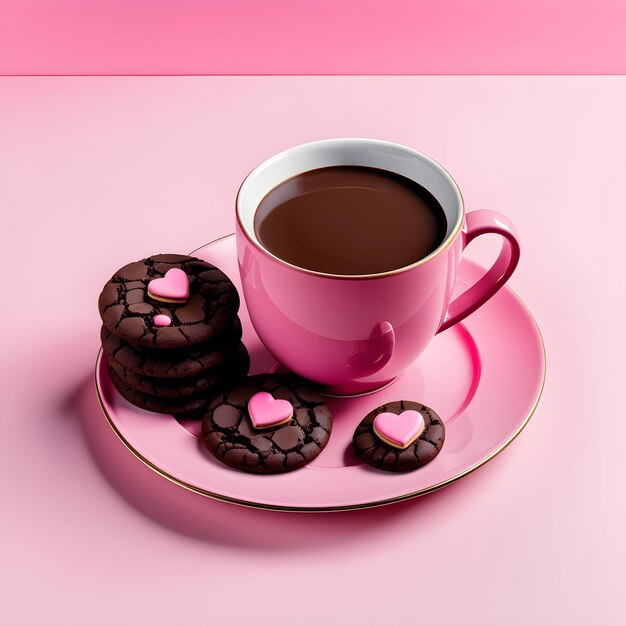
x=368 y=505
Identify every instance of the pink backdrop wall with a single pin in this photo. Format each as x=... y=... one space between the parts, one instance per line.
x=312 y=37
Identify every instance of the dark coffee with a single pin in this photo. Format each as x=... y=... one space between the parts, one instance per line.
x=350 y=220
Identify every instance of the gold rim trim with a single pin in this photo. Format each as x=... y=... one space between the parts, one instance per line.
x=356 y=507
x=447 y=242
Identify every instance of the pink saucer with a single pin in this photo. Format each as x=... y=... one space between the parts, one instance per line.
x=483 y=377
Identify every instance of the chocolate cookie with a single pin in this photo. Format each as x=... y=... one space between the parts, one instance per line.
x=228 y=432
x=205 y=313
x=371 y=448
x=231 y=371
x=158 y=405
x=182 y=363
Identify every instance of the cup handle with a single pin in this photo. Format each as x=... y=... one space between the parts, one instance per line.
x=480 y=223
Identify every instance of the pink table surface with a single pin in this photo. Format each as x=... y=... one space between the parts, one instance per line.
x=96 y=172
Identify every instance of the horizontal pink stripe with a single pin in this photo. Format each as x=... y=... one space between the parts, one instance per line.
x=312 y=37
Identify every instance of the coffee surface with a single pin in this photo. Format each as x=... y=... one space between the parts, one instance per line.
x=350 y=220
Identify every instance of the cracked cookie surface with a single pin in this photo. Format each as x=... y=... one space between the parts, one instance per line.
x=375 y=452
x=128 y=311
x=228 y=434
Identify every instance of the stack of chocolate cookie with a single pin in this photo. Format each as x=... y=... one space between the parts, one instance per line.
x=171 y=333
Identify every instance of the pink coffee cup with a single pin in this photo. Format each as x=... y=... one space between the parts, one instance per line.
x=354 y=334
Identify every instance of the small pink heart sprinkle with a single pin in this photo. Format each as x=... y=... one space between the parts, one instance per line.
x=162 y=320
x=266 y=411
x=173 y=286
x=401 y=430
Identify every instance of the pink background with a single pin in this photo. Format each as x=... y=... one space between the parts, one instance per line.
x=312 y=37
x=97 y=172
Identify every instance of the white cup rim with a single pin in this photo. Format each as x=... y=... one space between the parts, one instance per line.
x=353 y=142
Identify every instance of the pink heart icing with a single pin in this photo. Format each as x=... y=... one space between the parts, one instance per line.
x=173 y=286
x=266 y=411
x=162 y=320
x=399 y=430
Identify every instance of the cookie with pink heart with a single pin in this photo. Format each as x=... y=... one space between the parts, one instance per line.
x=269 y=424
x=399 y=436
x=170 y=301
